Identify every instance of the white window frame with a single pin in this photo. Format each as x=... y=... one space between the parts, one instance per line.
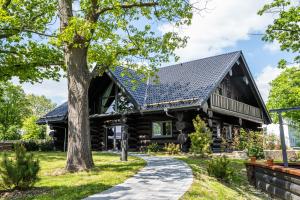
x=218 y=130
x=228 y=131
x=162 y=136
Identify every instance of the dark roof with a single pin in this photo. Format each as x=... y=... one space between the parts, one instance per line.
x=58 y=114
x=185 y=84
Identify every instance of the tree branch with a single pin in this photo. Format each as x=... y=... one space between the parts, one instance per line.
x=124 y=6
x=6 y=4
x=22 y=30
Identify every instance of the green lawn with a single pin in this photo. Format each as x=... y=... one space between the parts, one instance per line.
x=206 y=187
x=108 y=171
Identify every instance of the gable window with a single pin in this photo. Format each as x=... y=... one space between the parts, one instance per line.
x=162 y=129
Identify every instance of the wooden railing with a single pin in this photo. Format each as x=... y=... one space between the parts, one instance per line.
x=234 y=106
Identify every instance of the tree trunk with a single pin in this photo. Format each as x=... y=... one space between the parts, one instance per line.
x=79 y=155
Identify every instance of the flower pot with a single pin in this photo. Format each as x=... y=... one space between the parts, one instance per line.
x=253 y=159
x=270 y=162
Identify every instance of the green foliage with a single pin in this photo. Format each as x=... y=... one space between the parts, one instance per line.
x=20 y=172
x=255 y=144
x=32 y=130
x=153 y=147
x=220 y=168
x=39 y=105
x=284 y=93
x=23 y=25
x=46 y=145
x=240 y=141
x=255 y=151
x=271 y=142
x=12 y=133
x=172 y=148
x=286 y=26
x=201 y=139
x=13 y=108
x=38 y=145
x=30 y=145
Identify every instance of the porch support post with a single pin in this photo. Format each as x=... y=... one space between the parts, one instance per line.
x=282 y=139
x=65 y=140
x=124 y=143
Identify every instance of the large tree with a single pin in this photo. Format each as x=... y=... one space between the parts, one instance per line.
x=96 y=35
x=105 y=34
x=285 y=28
x=285 y=92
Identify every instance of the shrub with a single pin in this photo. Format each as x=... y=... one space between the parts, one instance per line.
x=220 y=168
x=46 y=145
x=256 y=151
x=271 y=142
x=31 y=145
x=172 y=148
x=153 y=147
x=201 y=139
x=240 y=141
x=21 y=172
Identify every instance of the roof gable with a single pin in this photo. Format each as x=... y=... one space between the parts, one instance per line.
x=185 y=84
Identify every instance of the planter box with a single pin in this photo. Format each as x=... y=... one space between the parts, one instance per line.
x=275 y=180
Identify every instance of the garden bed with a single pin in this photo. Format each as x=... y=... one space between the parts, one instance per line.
x=275 y=179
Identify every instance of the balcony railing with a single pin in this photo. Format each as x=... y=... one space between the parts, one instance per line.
x=229 y=104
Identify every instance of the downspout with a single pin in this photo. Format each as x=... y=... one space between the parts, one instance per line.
x=168 y=114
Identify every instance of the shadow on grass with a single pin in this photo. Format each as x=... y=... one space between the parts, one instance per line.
x=239 y=183
x=59 y=192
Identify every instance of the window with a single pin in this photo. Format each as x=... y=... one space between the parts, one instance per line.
x=218 y=130
x=228 y=132
x=162 y=129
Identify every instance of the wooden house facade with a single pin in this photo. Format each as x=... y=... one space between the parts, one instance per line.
x=220 y=89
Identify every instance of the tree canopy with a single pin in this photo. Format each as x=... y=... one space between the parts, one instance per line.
x=39 y=105
x=286 y=26
x=13 y=109
x=23 y=29
x=92 y=36
x=285 y=93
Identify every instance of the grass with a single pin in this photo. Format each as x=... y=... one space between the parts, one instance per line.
x=206 y=187
x=108 y=171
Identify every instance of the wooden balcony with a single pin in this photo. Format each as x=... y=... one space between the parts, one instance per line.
x=222 y=103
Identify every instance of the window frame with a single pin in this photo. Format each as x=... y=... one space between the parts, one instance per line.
x=161 y=122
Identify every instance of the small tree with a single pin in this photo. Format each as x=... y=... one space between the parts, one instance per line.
x=21 y=172
x=32 y=130
x=201 y=139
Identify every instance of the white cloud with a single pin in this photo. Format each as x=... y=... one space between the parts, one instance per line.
x=54 y=90
x=272 y=47
x=264 y=79
x=223 y=25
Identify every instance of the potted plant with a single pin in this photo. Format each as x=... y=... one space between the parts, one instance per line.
x=251 y=155
x=270 y=161
x=255 y=152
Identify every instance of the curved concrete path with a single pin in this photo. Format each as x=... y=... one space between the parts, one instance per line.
x=162 y=178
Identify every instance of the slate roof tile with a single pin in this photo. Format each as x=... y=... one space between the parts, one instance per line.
x=188 y=83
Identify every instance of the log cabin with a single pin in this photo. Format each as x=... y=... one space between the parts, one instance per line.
x=220 y=89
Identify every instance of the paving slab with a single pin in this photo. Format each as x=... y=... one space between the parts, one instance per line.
x=163 y=178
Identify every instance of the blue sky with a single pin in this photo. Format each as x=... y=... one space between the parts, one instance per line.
x=226 y=26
